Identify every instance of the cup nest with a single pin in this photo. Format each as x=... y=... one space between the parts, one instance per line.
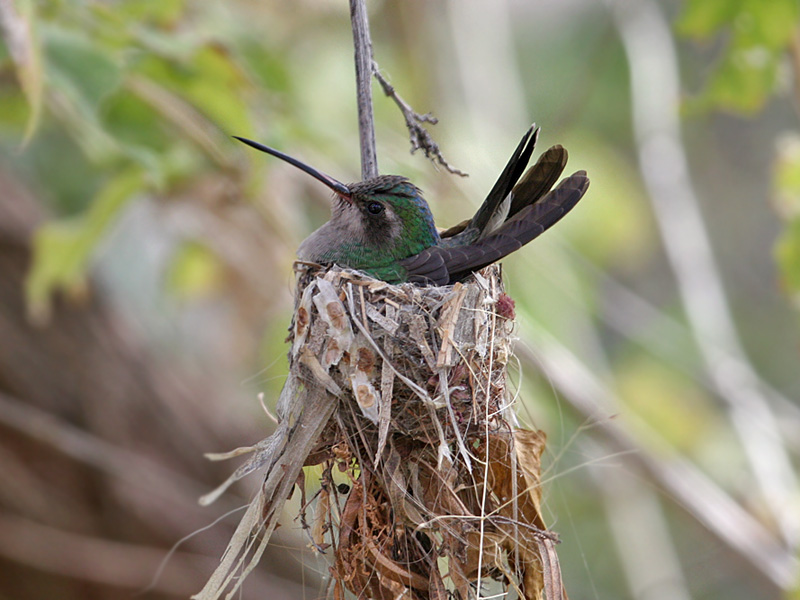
x=430 y=489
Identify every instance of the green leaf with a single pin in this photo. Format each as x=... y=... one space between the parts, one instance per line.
x=759 y=35
x=83 y=73
x=216 y=90
x=163 y=12
x=744 y=80
x=204 y=96
x=24 y=50
x=269 y=66
x=787 y=178
x=83 y=69
x=702 y=18
x=787 y=188
x=771 y=24
x=787 y=255
x=62 y=249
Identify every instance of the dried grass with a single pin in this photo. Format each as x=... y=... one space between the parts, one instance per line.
x=403 y=390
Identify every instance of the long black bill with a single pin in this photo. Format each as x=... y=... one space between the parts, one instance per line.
x=335 y=185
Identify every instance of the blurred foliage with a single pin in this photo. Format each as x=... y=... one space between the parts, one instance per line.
x=761 y=43
x=758 y=36
x=787 y=187
x=64 y=248
x=136 y=102
x=195 y=272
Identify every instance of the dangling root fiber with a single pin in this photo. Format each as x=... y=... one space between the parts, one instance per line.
x=401 y=390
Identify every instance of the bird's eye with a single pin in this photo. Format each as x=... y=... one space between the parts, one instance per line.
x=374 y=208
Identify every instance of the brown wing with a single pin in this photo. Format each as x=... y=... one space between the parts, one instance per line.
x=440 y=265
x=427 y=267
x=539 y=179
x=526 y=225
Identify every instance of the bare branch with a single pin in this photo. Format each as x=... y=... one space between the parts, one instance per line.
x=363 y=57
x=420 y=138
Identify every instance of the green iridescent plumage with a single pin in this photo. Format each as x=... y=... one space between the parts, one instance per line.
x=383 y=225
x=382 y=222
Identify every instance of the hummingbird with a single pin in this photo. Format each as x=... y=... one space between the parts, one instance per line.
x=384 y=227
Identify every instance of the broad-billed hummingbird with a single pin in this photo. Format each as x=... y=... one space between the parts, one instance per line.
x=384 y=227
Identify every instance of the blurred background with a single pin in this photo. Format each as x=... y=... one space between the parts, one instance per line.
x=146 y=282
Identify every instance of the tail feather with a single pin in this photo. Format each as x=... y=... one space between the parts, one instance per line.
x=539 y=179
x=527 y=224
x=442 y=265
x=531 y=188
x=467 y=232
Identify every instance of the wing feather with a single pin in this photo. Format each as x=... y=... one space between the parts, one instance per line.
x=539 y=179
x=465 y=234
x=523 y=227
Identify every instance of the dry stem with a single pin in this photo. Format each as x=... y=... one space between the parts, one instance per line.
x=420 y=138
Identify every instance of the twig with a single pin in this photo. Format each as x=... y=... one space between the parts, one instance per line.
x=365 y=67
x=420 y=138
x=363 y=58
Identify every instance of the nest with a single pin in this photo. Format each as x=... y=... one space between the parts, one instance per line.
x=400 y=393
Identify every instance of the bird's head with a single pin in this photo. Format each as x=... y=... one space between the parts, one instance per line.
x=385 y=211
